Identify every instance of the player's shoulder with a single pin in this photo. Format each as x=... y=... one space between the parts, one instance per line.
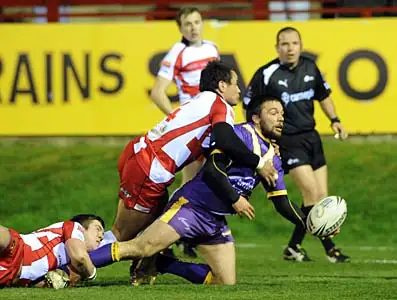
x=69 y=226
x=177 y=48
x=275 y=63
x=307 y=61
x=240 y=127
x=210 y=98
x=244 y=132
x=57 y=225
x=57 y=228
x=207 y=96
x=267 y=70
x=240 y=130
x=210 y=43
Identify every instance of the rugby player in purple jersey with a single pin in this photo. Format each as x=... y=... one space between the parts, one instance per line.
x=197 y=211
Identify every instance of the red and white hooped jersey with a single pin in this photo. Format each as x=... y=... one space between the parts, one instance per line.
x=44 y=249
x=180 y=138
x=184 y=64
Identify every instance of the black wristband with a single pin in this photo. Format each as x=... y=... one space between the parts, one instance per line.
x=335 y=120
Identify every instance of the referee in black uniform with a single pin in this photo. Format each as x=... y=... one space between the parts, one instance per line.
x=297 y=81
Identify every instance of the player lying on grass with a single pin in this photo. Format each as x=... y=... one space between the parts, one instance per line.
x=26 y=258
x=196 y=212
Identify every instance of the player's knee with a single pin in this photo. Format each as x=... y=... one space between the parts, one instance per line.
x=310 y=196
x=227 y=280
x=321 y=195
x=123 y=233
x=116 y=232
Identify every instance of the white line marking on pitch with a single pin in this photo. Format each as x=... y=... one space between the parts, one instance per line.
x=360 y=248
x=376 y=261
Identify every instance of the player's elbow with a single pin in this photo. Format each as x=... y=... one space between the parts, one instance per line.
x=153 y=94
x=157 y=93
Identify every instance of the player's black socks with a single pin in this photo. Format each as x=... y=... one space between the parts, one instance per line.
x=299 y=232
x=328 y=244
x=306 y=209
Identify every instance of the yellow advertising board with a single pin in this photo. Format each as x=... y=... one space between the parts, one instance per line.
x=94 y=79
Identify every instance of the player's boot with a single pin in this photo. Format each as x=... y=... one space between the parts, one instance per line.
x=143 y=271
x=296 y=254
x=335 y=255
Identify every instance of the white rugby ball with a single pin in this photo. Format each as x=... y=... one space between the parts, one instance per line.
x=327 y=216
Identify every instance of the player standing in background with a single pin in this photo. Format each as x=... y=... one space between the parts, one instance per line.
x=183 y=64
x=297 y=81
x=25 y=258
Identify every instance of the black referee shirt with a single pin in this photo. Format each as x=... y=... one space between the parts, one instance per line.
x=297 y=88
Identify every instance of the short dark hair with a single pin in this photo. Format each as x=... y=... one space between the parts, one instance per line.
x=255 y=105
x=213 y=73
x=285 y=29
x=86 y=219
x=185 y=11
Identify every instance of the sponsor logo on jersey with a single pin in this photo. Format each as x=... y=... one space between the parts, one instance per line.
x=305 y=95
x=283 y=82
x=292 y=161
x=308 y=78
x=243 y=184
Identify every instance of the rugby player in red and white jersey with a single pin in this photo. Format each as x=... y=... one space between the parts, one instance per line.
x=25 y=258
x=148 y=164
x=183 y=64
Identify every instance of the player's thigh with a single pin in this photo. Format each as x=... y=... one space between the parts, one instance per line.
x=127 y=152
x=304 y=178
x=319 y=165
x=295 y=152
x=5 y=238
x=321 y=175
x=222 y=260
x=158 y=236
x=11 y=257
x=140 y=198
x=191 y=170
x=129 y=222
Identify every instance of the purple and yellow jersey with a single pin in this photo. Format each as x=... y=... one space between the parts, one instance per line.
x=243 y=179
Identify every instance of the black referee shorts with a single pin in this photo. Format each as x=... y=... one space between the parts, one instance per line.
x=302 y=149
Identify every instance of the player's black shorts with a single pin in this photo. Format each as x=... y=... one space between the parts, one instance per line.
x=302 y=149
